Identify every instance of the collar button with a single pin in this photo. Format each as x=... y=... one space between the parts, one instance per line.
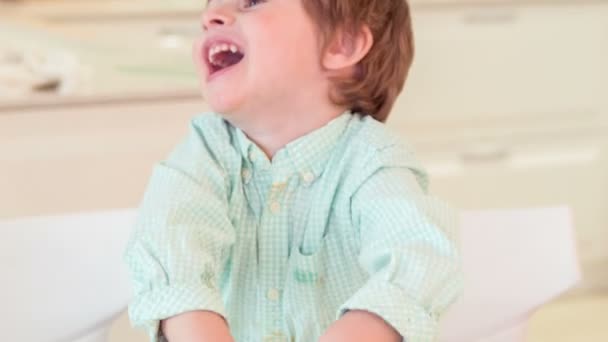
x=246 y=175
x=308 y=177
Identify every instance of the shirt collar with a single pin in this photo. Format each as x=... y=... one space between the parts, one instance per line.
x=306 y=154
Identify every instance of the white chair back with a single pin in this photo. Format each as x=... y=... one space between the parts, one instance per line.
x=62 y=276
x=514 y=261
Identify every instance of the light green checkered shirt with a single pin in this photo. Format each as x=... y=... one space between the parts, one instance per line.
x=341 y=219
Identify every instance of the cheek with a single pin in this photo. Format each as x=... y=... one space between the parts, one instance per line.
x=303 y=46
x=282 y=47
x=197 y=46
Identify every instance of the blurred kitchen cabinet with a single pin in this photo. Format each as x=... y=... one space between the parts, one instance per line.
x=512 y=62
x=85 y=157
x=507 y=106
x=442 y=3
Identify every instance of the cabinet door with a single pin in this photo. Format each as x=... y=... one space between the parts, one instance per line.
x=81 y=158
x=542 y=172
x=485 y=62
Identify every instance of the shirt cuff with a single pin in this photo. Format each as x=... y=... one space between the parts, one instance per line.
x=148 y=308
x=397 y=308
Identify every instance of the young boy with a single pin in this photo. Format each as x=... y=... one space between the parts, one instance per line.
x=294 y=215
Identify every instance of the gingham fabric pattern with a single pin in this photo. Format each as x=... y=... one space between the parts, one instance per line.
x=340 y=219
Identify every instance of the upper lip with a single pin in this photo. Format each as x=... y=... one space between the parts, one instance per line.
x=210 y=41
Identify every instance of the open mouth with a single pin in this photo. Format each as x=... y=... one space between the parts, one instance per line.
x=221 y=56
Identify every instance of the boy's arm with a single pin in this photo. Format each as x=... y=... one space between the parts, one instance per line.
x=360 y=326
x=181 y=238
x=196 y=326
x=408 y=247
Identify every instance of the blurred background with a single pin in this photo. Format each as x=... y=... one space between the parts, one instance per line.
x=506 y=106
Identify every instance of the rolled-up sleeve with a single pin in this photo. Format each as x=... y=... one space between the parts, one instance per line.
x=181 y=238
x=409 y=248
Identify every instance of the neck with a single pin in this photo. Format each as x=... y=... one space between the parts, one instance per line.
x=273 y=128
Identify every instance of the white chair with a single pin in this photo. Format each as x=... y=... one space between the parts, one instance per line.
x=514 y=261
x=64 y=279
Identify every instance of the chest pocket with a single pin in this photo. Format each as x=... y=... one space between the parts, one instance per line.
x=310 y=288
x=310 y=219
x=306 y=295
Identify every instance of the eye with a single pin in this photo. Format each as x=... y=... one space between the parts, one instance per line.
x=251 y=3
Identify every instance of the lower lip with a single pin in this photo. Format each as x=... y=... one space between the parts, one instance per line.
x=219 y=73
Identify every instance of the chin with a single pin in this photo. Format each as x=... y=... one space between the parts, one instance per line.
x=223 y=103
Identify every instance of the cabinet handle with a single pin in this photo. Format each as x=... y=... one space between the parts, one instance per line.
x=490 y=17
x=484 y=152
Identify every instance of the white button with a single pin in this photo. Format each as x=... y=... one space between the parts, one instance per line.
x=275 y=207
x=273 y=294
x=252 y=156
x=246 y=175
x=278 y=186
x=308 y=177
x=277 y=336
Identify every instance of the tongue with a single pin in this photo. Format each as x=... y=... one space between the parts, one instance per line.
x=227 y=58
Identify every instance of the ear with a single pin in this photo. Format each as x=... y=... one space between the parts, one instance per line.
x=346 y=49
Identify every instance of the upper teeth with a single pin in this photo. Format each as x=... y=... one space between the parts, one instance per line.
x=215 y=49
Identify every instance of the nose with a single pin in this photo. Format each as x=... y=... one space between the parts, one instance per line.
x=217 y=15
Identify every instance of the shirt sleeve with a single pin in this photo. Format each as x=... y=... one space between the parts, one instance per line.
x=408 y=246
x=181 y=237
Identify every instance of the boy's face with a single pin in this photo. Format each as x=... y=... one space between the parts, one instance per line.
x=254 y=54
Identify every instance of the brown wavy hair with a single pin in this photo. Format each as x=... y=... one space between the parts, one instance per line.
x=381 y=74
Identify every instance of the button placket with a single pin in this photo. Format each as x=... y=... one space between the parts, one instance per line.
x=274 y=296
x=276 y=191
x=274 y=271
